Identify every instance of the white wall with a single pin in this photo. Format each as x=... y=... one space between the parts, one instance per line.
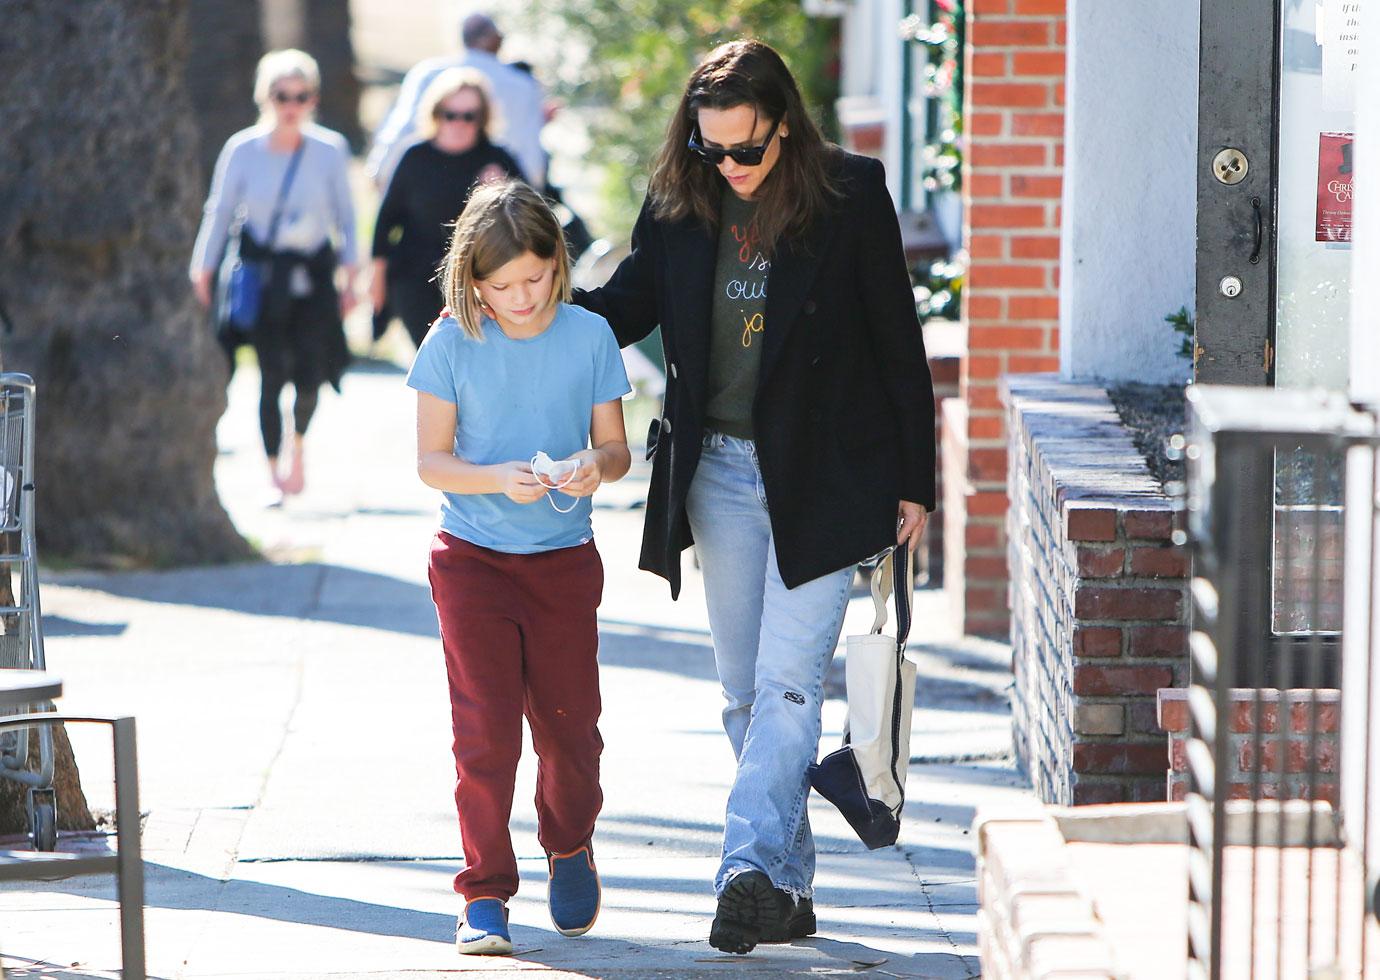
x=857 y=70
x=1365 y=241
x=1359 y=642
x=1128 y=234
x=870 y=82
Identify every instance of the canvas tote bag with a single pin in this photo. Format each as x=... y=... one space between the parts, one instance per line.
x=866 y=778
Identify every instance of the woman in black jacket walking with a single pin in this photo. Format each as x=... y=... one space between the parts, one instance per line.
x=797 y=434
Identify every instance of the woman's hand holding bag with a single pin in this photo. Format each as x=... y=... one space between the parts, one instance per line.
x=866 y=778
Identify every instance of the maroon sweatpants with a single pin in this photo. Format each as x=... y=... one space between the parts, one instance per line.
x=520 y=637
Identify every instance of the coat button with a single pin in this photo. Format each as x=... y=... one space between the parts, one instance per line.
x=674 y=373
x=814 y=361
x=665 y=427
x=810 y=307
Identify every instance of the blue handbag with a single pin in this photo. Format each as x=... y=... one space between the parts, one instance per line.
x=242 y=280
x=243 y=291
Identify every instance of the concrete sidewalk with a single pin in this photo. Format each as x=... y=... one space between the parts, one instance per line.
x=296 y=769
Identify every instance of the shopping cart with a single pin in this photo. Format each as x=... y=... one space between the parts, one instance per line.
x=21 y=625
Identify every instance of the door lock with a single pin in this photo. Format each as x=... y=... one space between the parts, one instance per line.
x=1230 y=287
x=1230 y=166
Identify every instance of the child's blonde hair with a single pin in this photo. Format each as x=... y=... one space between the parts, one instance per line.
x=502 y=221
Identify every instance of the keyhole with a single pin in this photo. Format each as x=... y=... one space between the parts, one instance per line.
x=1230 y=166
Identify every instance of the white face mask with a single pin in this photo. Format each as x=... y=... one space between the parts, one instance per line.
x=555 y=475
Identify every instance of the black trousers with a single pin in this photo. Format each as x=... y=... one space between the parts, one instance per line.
x=298 y=339
x=416 y=302
x=288 y=350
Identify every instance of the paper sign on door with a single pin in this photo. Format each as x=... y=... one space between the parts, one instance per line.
x=1334 y=187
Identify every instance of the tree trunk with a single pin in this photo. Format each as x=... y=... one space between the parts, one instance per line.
x=226 y=43
x=72 y=811
x=101 y=197
x=328 y=32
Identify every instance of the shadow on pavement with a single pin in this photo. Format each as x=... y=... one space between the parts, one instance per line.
x=23 y=968
x=62 y=626
x=310 y=590
x=179 y=890
x=658 y=837
x=687 y=654
x=338 y=594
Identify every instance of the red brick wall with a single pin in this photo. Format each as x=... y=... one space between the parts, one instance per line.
x=1099 y=597
x=1014 y=116
x=1307 y=709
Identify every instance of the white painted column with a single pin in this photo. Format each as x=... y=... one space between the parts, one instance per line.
x=1129 y=205
x=870 y=86
x=1365 y=234
x=1361 y=644
x=888 y=56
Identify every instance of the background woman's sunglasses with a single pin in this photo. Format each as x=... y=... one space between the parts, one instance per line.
x=285 y=98
x=745 y=156
x=466 y=116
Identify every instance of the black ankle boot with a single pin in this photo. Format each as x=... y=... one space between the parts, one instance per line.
x=748 y=905
x=795 y=920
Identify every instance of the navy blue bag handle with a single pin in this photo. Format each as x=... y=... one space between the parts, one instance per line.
x=283 y=190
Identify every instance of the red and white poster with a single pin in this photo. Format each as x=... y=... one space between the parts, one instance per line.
x=1334 y=187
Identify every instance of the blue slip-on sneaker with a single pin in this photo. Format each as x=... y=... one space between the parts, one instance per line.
x=573 y=894
x=484 y=929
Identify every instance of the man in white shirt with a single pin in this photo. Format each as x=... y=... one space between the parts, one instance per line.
x=519 y=96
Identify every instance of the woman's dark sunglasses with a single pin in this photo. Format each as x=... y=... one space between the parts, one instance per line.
x=468 y=115
x=745 y=156
x=284 y=98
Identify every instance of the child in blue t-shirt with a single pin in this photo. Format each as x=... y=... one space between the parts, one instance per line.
x=519 y=420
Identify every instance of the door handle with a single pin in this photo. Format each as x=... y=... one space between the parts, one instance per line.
x=1259 y=230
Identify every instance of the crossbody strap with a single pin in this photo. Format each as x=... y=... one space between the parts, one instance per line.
x=283 y=193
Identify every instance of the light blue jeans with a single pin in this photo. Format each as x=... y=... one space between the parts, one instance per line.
x=772 y=646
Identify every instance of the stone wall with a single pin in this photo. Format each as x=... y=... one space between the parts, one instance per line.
x=1098 y=596
x=1035 y=918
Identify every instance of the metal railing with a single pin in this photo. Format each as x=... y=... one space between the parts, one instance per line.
x=1278 y=834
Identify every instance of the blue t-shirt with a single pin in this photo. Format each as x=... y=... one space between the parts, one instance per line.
x=513 y=398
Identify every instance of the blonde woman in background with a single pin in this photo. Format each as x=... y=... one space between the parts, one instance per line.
x=457 y=120
x=283 y=183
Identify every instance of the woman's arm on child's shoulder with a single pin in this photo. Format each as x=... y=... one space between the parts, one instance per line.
x=439 y=467
x=608 y=461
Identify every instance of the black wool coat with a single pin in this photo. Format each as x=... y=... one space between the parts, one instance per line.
x=844 y=412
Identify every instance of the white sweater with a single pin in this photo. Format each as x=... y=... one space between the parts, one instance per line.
x=248 y=176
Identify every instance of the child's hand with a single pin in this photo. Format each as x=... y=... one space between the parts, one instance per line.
x=519 y=485
x=588 y=476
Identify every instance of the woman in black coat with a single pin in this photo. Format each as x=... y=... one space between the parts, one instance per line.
x=427 y=192
x=797 y=435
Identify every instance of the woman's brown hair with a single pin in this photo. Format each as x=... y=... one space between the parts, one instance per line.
x=799 y=188
x=502 y=221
